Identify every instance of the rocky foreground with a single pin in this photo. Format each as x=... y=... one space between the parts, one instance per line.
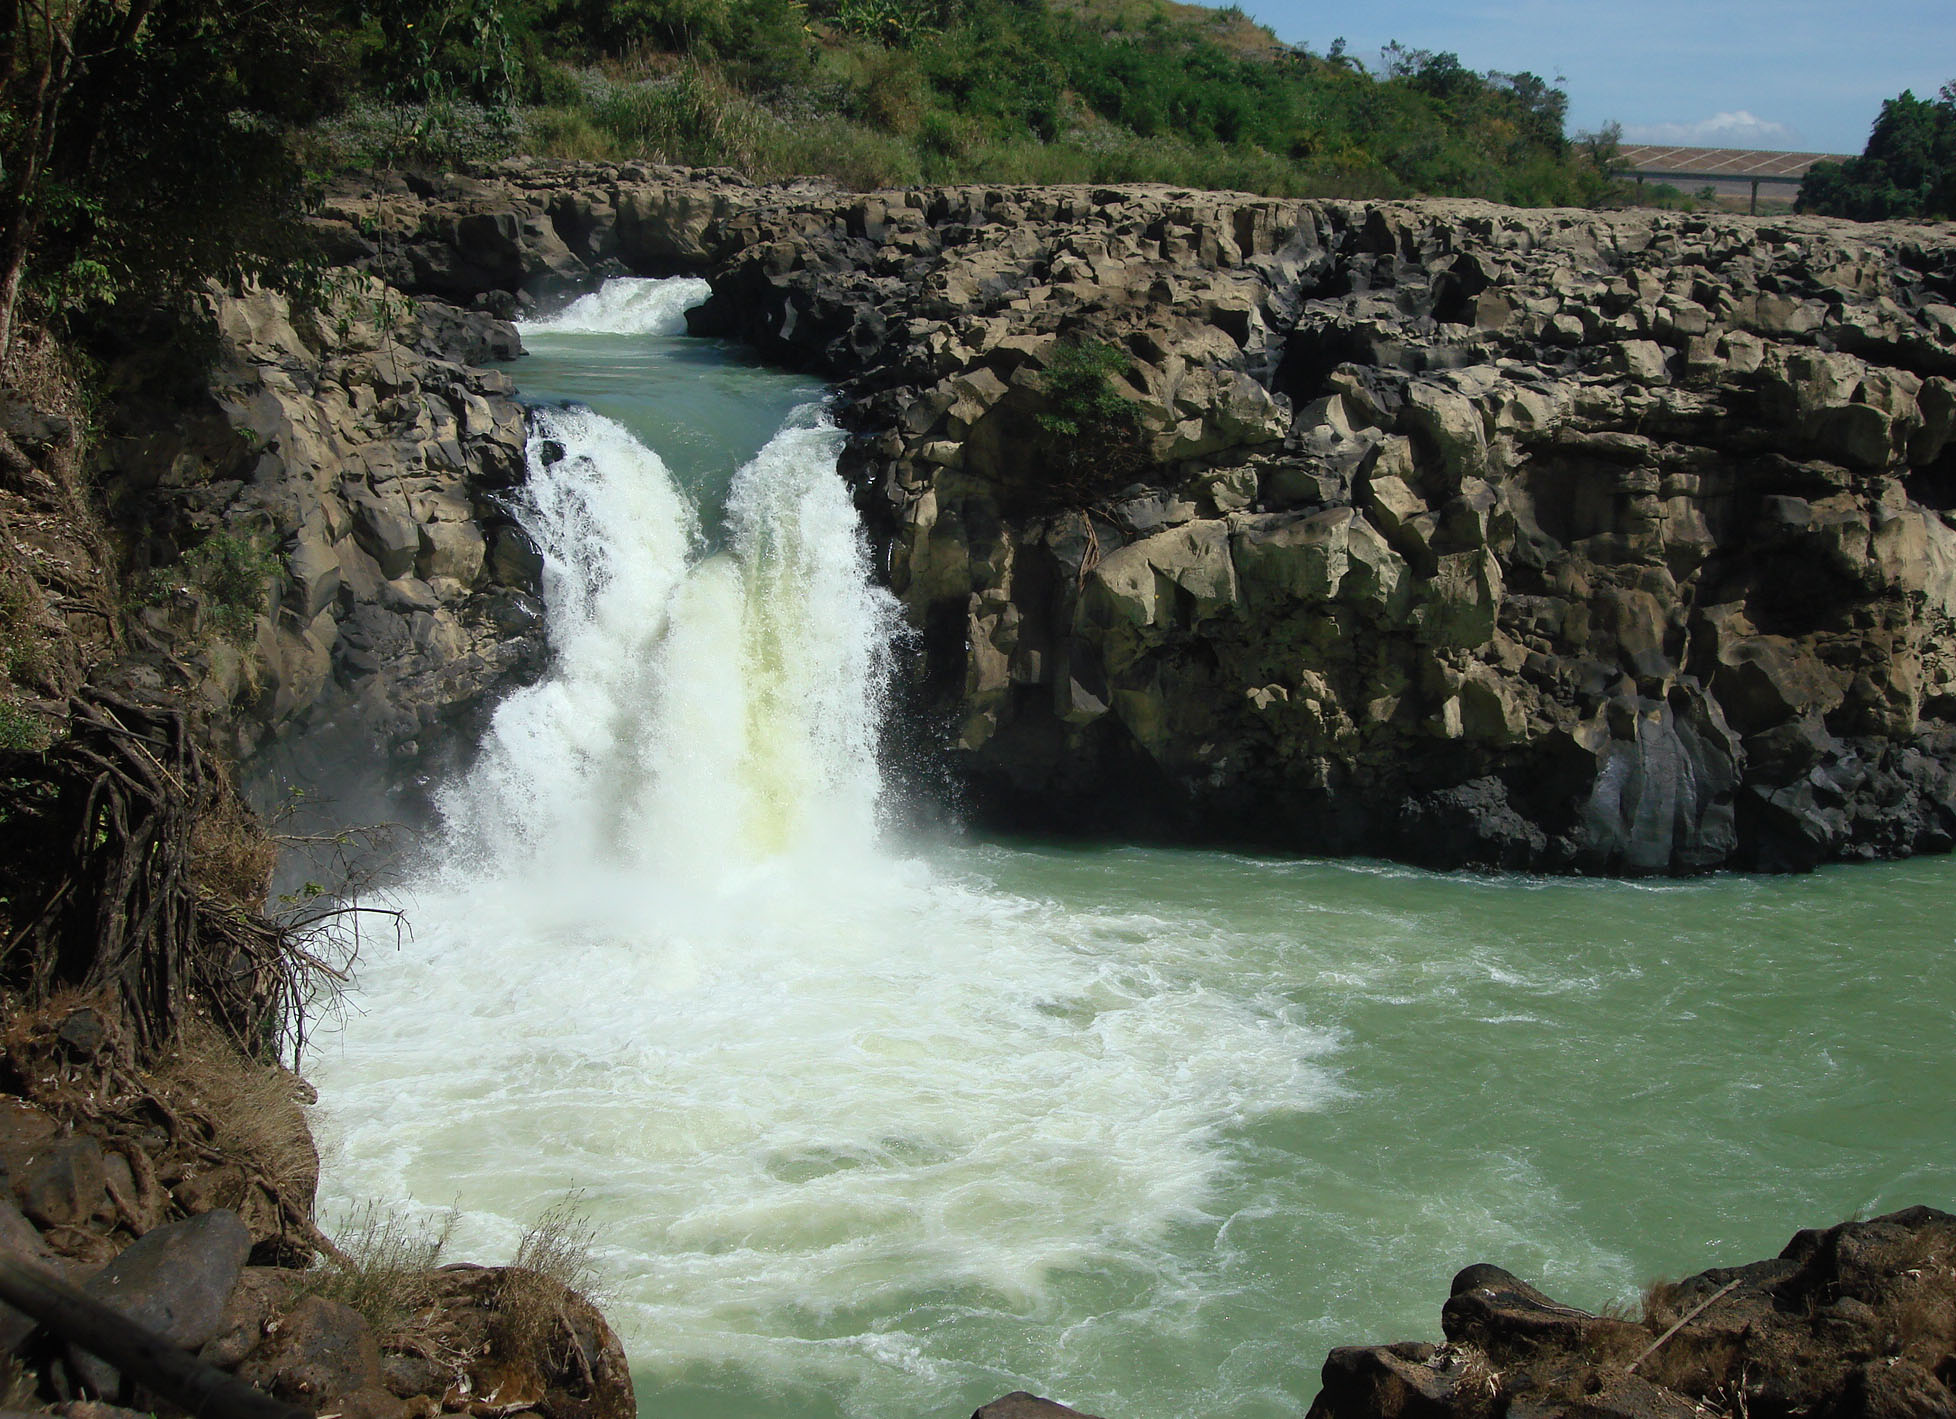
x=181 y=1195
x=1607 y=542
x=1857 y=1321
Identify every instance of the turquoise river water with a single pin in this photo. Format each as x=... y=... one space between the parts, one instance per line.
x=874 y=1127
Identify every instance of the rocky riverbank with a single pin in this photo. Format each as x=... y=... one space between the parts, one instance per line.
x=1856 y=1321
x=181 y=1194
x=1576 y=541
x=1572 y=541
x=150 y=1154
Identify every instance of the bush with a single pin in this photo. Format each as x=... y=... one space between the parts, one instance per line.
x=229 y=574
x=1093 y=439
x=1024 y=90
x=1907 y=170
x=1082 y=402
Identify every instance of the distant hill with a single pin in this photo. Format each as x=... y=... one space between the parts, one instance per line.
x=875 y=92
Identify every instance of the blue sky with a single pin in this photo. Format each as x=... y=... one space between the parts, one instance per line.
x=1797 y=74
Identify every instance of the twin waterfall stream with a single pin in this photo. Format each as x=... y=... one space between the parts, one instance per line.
x=878 y=1127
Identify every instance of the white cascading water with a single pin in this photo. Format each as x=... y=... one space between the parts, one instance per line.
x=705 y=712
x=631 y=306
x=841 y=1119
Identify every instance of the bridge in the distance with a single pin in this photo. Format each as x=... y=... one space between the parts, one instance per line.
x=1727 y=171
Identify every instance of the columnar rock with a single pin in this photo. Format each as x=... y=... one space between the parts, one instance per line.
x=1569 y=540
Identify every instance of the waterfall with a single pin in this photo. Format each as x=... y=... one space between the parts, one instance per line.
x=629 y=305
x=843 y=1117
x=708 y=708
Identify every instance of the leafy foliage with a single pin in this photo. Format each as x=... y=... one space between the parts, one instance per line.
x=1908 y=168
x=165 y=162
x=1093 y=440
x=980 y=90
x=1082 y=402
x=230 y=575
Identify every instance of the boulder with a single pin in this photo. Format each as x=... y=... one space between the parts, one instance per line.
x=175 y=1280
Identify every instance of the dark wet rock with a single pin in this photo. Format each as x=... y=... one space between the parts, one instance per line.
x=323 y=1356
x=63 y=1183
x=21 y=1240
x=1021 y=1405
x=174 y=1280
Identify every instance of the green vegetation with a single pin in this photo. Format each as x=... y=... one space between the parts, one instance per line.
x=1082 y=401
x=1094 y=440
x=1907 y=170
x=896 y=91
x=143 y=145
x=229 y=574
x=21 y=730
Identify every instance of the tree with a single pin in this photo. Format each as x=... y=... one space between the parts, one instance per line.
x=45 y=46
x=1907 y=170
x=142 y=144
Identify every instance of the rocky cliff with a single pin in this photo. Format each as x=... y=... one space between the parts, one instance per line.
x=359 y=452
x=1596 y=541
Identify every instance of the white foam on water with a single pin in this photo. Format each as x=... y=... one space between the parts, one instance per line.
x=626 y=305
x=811 y=1091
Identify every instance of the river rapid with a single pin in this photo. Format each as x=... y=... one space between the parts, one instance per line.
x=871 y=1126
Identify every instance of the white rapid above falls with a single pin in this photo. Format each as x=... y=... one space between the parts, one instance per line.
x=840 y=1119
x=629 y=305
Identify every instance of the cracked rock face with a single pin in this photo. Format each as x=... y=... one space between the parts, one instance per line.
x=372 y=468
x=1462 y=534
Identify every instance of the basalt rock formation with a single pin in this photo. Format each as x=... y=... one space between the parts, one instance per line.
x=362 y=442
x=1583 y=541
x=1856 y=1321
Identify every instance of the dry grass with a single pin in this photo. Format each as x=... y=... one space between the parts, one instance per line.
x=384 y=1273
x=231 y=855
x=1661 y=1306
x=1918 y=1322
x=1694 y=1364
x=252 y=1108
x=553 y=1257
x=1477 y=1384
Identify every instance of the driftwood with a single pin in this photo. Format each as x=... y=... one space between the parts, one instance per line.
x=138 y=1352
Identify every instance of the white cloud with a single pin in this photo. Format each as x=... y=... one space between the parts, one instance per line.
x=1722 y=130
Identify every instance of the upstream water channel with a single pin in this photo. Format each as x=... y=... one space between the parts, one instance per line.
x=870 y=1126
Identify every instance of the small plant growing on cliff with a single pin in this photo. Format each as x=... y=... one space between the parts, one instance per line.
x=1076 y=383
x=1092 y=435
x=21 y=730
x=231 y=575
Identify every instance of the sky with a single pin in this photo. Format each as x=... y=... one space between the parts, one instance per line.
x=1792 y=74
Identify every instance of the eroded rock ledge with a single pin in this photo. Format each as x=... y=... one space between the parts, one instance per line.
x=1608 y=542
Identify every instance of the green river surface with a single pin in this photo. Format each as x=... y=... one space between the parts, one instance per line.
x=1142 y=1129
